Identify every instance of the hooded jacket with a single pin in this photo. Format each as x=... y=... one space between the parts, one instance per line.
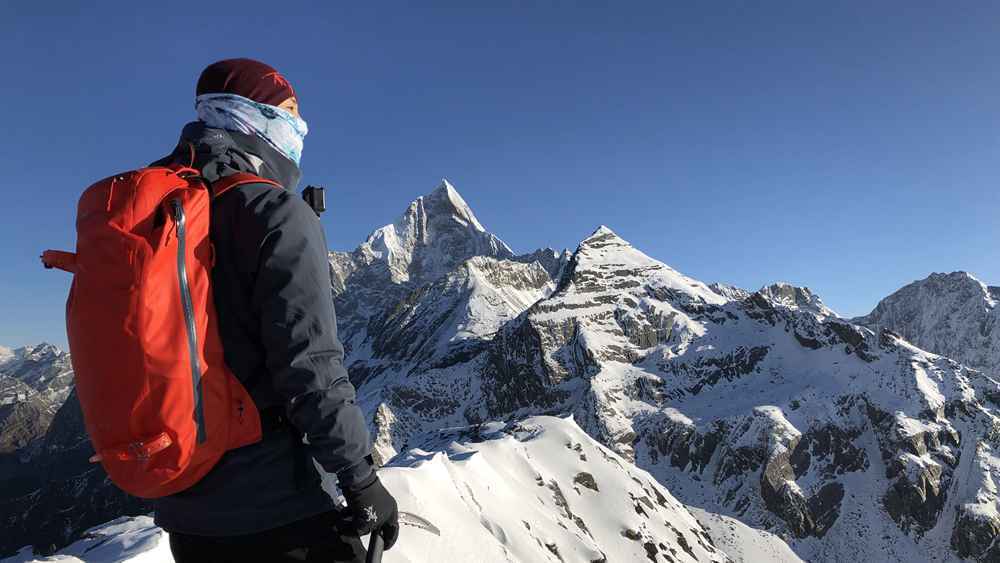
x=272 y=291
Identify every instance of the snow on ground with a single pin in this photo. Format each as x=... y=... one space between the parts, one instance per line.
x=743 y=543
x=135 y=540
x=539 y=490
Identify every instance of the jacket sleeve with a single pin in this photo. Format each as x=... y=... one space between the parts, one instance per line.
x=293 y=299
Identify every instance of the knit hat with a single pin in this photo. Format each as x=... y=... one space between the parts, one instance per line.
x=245 y=77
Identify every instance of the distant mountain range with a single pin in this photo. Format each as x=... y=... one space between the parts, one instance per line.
x=34 y=383
x=866 y=438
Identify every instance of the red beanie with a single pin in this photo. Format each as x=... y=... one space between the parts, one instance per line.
x=245 y=77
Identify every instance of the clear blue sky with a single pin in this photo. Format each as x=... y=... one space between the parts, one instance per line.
x=848 y=146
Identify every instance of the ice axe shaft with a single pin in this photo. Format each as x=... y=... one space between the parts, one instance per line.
x=376 y=545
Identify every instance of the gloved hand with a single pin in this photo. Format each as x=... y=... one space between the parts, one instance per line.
x=372 y=508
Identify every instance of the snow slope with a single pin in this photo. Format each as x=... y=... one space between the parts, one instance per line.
x=135 y=540
x=536 y=490
x=743 y=543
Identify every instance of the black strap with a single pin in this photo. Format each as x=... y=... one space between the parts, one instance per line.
x=273 y=419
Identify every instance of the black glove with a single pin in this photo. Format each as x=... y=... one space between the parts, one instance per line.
x=372 y=508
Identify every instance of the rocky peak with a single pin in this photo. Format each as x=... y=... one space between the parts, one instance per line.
x=604 y=237
x=445 y=199
x=729 y=291
x=961 y=285
x=954 y=315
x=610 y=262
x=791 y=296
x=552 y=260
x=43 y=367
x=38 y=352
x=435 y=234
x=937 y=295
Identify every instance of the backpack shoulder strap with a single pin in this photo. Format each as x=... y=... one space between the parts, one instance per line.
x=223 y=185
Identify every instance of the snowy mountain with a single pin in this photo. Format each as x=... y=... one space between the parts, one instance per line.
x=774 y=416
x=954 y=315
x=764 y=406
x=34 y=383
x=535 y=490
x=768 y=408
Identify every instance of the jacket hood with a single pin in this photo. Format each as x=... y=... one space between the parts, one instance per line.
x=220 y=153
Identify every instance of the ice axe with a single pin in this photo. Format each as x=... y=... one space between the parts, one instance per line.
x=376 y=545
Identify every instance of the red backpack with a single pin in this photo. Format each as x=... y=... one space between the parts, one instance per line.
x=159 y=404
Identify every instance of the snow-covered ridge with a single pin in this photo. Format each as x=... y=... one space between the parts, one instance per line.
x=536 y=490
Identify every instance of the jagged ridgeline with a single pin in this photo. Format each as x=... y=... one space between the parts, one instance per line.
x=761 y=405
x=841 y=436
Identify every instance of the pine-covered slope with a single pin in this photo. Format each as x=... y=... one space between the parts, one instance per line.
x=954 y=315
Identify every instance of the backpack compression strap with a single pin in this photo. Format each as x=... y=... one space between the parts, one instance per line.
x=223 y=185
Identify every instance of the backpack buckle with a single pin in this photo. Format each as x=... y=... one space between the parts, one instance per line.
x=139 y=451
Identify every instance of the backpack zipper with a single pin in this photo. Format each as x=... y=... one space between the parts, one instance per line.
x=192 y=329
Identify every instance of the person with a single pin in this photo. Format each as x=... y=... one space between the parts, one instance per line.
x=271 y=284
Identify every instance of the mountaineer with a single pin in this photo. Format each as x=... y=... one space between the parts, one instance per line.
x=204 y=340
x=279 y=335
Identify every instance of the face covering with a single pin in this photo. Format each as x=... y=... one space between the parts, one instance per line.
x=278 y=127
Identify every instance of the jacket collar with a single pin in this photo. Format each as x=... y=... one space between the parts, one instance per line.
x=219 y=153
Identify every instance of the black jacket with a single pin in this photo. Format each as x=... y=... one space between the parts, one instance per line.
x=273 y=294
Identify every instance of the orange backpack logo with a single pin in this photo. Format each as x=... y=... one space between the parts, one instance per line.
x=159 y=404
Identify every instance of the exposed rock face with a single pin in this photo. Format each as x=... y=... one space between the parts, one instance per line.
x=807 y=424
x=920 y=458
x=954 y=315
x=51 y=501
x=975 y=536
x=34 y=382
